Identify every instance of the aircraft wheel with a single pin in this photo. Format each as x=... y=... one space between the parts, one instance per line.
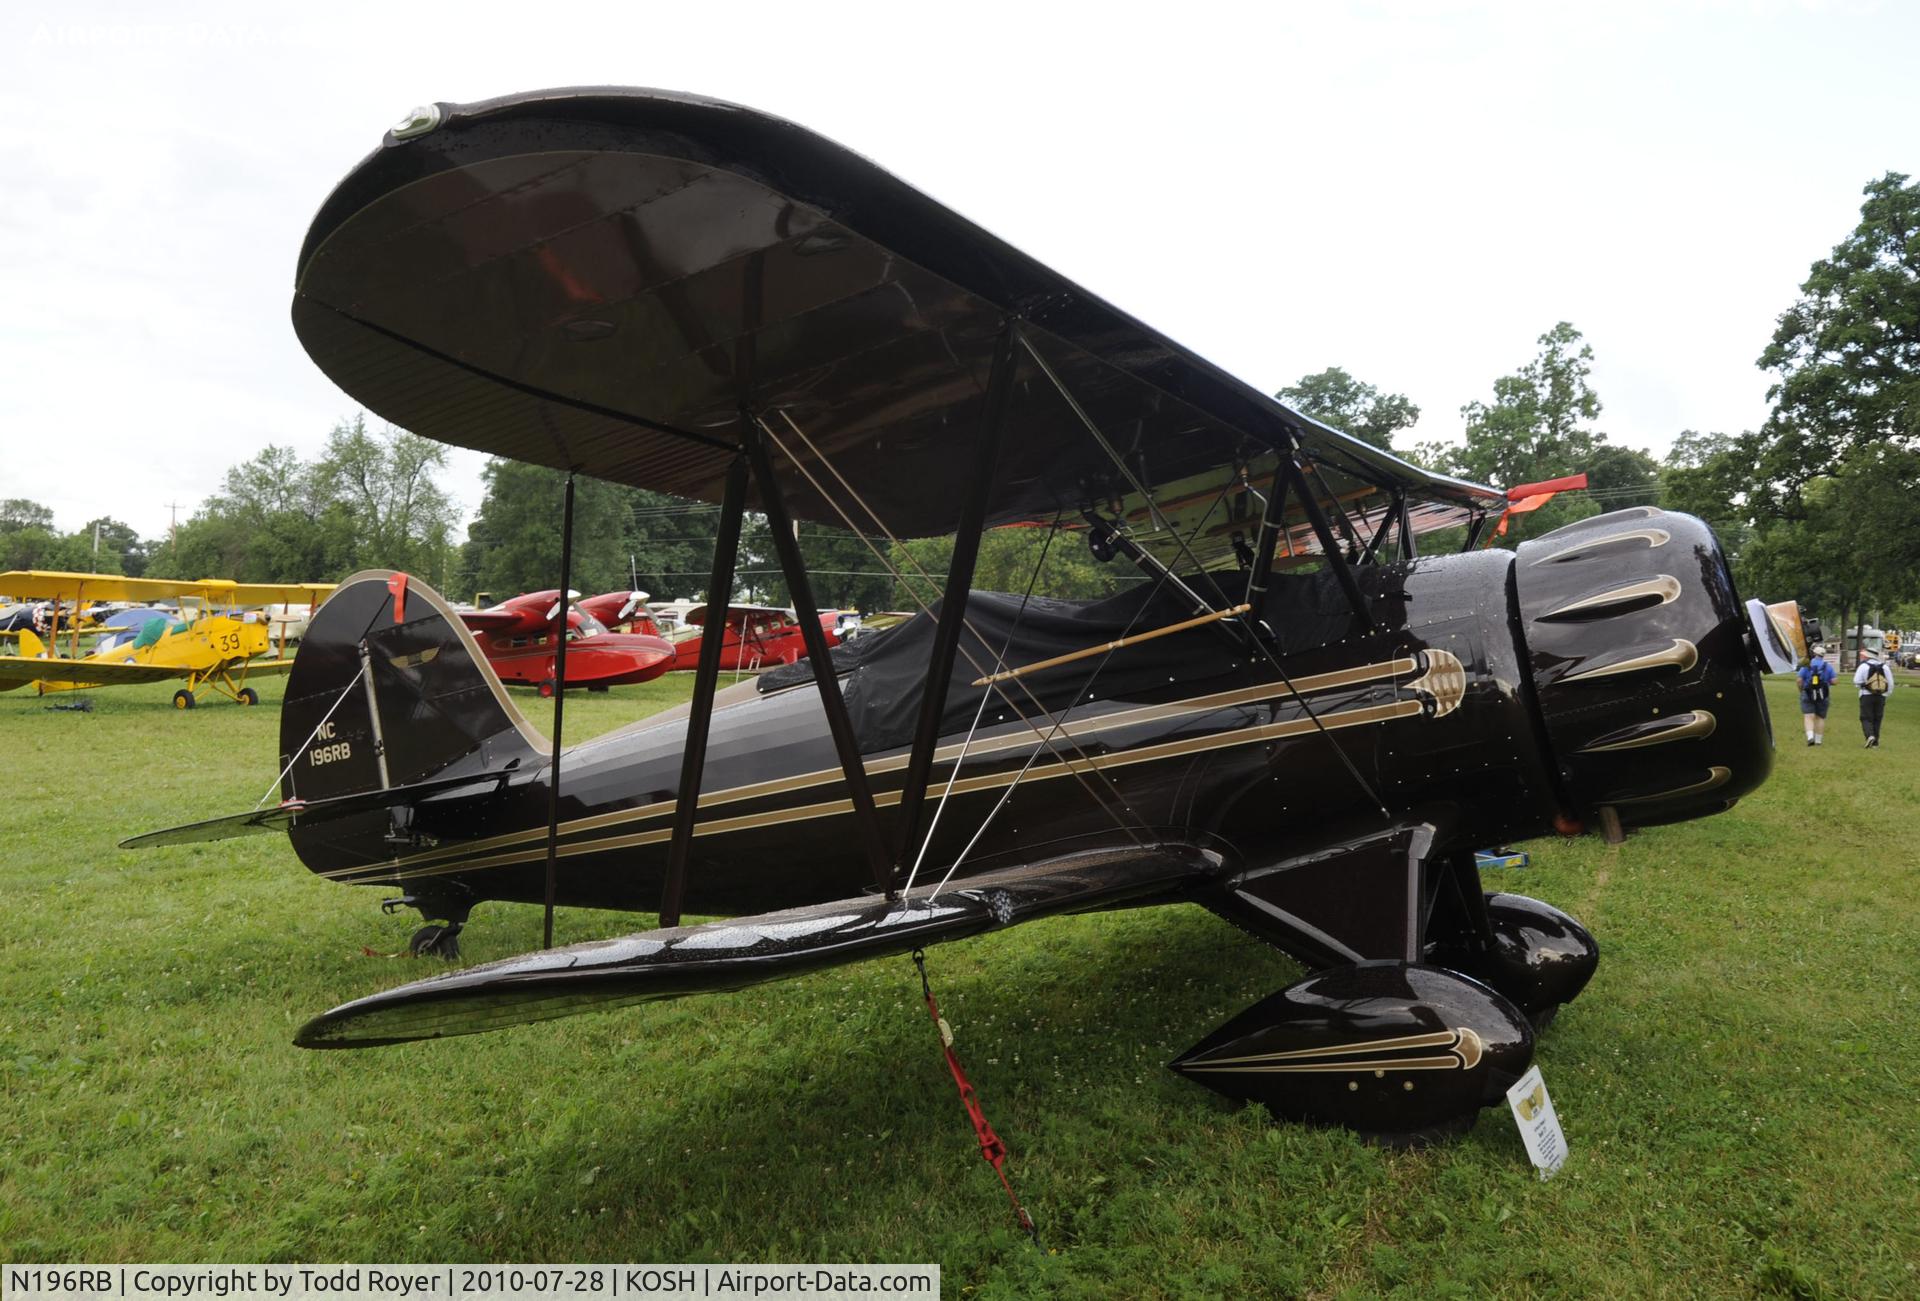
x=435 y=941
x=248 y=696
x=183 y=699
x=546 y=689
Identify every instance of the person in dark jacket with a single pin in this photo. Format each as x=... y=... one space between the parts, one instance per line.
x=1874 y=677
x=1816 y=694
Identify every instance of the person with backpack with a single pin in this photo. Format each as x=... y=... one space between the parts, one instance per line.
x=1816 y=683
x=1874 y=677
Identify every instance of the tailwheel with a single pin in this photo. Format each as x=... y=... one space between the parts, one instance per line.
x=435 y=941
x=247 y=696
x=546 y=689
x=183 y=699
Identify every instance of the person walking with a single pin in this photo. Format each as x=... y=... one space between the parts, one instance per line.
x=1874 y=677
x=1816 y=694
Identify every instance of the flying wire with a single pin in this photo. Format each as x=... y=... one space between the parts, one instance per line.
x=954 y=774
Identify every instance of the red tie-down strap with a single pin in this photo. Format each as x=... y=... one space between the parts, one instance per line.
x=992 y=1146
x=397 y=584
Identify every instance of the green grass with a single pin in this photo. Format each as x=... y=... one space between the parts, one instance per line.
x=1737 y=1086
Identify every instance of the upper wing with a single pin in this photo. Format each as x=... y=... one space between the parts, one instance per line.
x=736 y=614
x=106 y=673
x=748 y=950
x=670 y=258
x=44 y=585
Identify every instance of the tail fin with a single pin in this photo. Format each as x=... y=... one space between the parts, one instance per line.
x=31 y=646
x=374 y=703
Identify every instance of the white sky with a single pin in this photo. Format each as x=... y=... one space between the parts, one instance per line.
x=1413 y=191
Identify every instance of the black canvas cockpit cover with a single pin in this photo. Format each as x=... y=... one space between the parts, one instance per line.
x=882 y=674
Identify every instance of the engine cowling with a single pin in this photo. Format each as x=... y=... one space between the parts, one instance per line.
x=1644 y=666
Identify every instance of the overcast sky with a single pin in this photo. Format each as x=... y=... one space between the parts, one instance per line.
x=1412 y=191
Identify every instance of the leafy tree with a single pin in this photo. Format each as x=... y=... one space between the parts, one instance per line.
x=1333 y=397
x=382 y=486
x=1853 y=546
x=1847 y=353
x=1008 y=557
x=622 y=537
x=18 y=513
x=513 y=544
x=119 y=546
x=1539 y=426
x=29 y=540
x=369 y=502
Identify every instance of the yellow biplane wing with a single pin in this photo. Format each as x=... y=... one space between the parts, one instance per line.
x=21 y=668
x=278 y=593
x=45 y=584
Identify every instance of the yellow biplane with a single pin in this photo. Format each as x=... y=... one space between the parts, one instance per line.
x=209 y=643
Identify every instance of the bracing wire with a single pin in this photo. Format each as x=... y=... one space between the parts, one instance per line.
x=1000 y=659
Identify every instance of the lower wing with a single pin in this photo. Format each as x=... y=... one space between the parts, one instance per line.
x=745 y=951
x=105 y=673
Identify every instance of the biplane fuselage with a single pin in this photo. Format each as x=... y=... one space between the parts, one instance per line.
x=1439 y=710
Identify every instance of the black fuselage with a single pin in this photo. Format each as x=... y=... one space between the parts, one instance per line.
x=1438 y=713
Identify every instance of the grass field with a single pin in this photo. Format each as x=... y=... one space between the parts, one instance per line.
x=1738 y=1086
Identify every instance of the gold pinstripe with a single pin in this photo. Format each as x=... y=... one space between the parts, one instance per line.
x=1357 y=676
x=884 y=799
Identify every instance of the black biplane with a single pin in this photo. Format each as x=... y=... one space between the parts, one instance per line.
x=1297 y=719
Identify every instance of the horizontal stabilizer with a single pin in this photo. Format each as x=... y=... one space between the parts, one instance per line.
x=282 y=816
x=728 y=955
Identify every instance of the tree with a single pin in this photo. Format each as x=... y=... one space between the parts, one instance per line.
x=1847 y=353
x=29 y=540
x=1535 y=426
x=118 y=545
x=1710 y=475
x=1853 y=545
x=18 y=513
x=383 y=486
x=1539 y=426
x=1333 y=397
x=621 y=537
x=513 y=544
x=369 y=502
x=1007 y=563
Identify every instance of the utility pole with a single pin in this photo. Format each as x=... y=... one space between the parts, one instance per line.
x=173 y=527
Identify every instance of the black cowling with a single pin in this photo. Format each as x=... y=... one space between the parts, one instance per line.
x=1644 y=667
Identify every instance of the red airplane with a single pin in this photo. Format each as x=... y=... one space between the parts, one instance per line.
x=756 y=637
x=622 y=612
x=517 y=637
